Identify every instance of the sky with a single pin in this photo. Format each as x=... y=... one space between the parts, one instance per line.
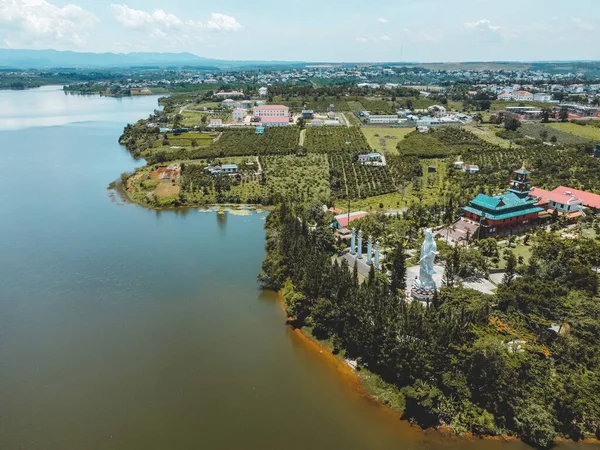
x=312 y=30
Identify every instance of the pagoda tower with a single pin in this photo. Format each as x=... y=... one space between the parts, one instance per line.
x=521 y=184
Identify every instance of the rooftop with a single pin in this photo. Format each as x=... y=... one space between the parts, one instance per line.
x=563 y=193
x=503 y=202
x=342 y=219
x=275 y=119
x=271 y=108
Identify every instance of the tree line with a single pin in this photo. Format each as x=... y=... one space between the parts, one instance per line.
x=524 y=361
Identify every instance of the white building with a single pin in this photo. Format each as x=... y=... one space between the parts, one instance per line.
x=228 y=103
x=383 y=118
x=246 y=104
x=229 y=94
x=523 y=96
x=542 y=97
x=505 y=96
x=216 y=122
x=263 y=92
x=271 y=111
x=238 y=114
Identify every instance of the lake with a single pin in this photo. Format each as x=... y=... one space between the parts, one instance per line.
x=127 y=328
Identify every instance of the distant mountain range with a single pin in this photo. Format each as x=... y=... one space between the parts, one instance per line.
x=47 y=59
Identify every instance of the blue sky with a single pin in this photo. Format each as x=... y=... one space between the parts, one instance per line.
x=312 y=30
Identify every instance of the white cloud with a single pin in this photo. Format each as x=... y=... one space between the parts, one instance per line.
x=385 y=37
x=137 y=18
x=164 y=26
x=383 y=20
x=40 y=24
x=485 y=31
x=222 y=22
x=362 y=39
x=583 y=25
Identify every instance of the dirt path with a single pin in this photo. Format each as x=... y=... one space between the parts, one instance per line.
x=259 y=166
x=301 y=139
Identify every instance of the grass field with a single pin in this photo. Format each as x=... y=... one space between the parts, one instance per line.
x=588 y=132
x=487 y=133
x=385 y=139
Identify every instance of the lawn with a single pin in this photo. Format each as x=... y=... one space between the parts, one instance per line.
x=487 y=133
x=385 y=139
x=586 y=131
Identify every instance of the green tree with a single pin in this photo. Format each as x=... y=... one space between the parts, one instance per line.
x=511 y=266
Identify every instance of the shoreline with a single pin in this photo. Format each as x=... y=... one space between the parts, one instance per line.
x=118 y=187
x=351 y=375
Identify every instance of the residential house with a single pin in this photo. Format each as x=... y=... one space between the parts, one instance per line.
x=246 y=104
x=505 y=96
x=370 y=159
x=523 y=96
x=260 y=129
x=542 y=97
x=308 y=114
x=561 y=201
x=470 y=168
x=228 y=103
x=216 y=123
x=562 y=193
x=225 y=169
x=263 y=92
x=238 y=114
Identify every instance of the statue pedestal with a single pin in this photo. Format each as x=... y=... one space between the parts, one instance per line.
x=422 y=293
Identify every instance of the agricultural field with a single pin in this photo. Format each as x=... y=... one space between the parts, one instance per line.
x=188 y=139
x=438 y=143
x=545 y=132
x=245 y=142
x=301 y=178
x=336 y=140
x=352 y=180
x=585 y=131
x=385 y=139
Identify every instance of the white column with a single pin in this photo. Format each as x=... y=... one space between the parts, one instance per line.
x=369 y=249
x=353 y=242
x=377 y=255
x=359 y=250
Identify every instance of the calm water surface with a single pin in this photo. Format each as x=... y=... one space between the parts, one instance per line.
x=124 y=328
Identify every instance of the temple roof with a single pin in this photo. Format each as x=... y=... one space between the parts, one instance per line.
x=501 y=215
x=503 y=202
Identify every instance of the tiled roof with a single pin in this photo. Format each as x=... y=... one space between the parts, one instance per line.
x=342 y=219
x=589 y=199
x=275 y=119
x=506 y=215
x=502 y=202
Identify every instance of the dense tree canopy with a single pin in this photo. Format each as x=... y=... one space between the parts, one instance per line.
x=524 y=361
